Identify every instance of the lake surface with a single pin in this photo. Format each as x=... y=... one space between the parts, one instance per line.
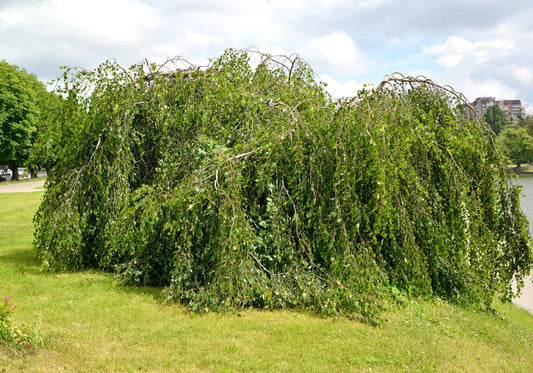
x=526 y=202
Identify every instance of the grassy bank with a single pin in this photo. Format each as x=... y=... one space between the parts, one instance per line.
x=91 y=325
x=524 y=169
x=27 y=180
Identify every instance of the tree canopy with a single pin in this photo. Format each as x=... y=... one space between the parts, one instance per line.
x=47 y=141
x=517 y=144
x=21 y=100
x=527 y=123
x=496 y=118
x=234 y=186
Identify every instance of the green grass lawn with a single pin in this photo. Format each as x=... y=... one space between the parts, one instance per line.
x=26 y=180
x=89 y=324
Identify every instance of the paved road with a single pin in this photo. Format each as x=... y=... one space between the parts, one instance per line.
x=30 y=186
x=526 y=299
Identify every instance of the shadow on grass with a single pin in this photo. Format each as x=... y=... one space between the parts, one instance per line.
x=156 y=293
x=27 y=261
x=23 y=260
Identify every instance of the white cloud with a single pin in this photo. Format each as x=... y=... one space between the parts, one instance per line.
x=497 y=66
x=97 y=21
x=118 y=21
x=457 y=50
x=488 y=87
x=521 y=73
x=74 y=33
x=373 y=3
x=347 y=88
x=336 y=52
x=394 y=41
x=11 y=17
x=344 y=41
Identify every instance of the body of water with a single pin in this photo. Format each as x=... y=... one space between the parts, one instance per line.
x=526 y=202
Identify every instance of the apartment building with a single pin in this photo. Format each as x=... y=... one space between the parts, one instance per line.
x=513 y=108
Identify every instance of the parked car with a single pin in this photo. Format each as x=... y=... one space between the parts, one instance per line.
x=5 y=175
x=23 y=172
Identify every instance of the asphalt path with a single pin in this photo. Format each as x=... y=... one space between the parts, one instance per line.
x=29 y=186
x=525 y=301
x=526 y=298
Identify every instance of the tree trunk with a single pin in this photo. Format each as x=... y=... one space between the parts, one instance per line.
x=15 y=170
x=33 y=172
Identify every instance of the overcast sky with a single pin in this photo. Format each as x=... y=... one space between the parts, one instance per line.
x=480 y=48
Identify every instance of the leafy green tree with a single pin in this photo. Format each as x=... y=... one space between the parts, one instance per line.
x=517 y=144
x=234 y=186
x=21 y=97
x=496 y=118
x=47 y=145
x=526 y=122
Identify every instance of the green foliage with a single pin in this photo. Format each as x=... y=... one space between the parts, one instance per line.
x=526 y=122
x=517 y=144
x=46 y=141
x=496 y=118
x=236 y=187
x=21 y=101
x=15 y=337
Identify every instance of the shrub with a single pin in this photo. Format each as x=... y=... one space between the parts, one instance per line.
x=13 y=337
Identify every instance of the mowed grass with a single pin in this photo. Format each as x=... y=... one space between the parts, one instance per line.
x=89 y=324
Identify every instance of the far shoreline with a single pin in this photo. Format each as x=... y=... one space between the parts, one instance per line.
x=524 y=169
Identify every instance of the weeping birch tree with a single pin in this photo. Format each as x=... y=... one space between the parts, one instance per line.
x=236 y=186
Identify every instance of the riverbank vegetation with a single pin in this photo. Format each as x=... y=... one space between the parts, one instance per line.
x=89 y=324
x=516 y=139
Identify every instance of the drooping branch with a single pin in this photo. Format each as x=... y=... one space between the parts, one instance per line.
x=397 y=77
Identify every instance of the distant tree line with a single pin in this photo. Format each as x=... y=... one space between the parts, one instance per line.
x=25 y=106
x=515 y=140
